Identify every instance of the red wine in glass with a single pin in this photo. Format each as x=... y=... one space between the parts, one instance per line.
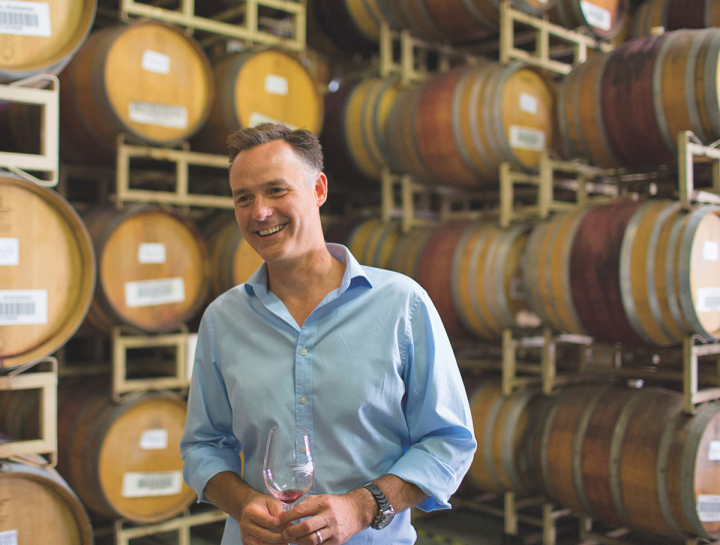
x=289 y=469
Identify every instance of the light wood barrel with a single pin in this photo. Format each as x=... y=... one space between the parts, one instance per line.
x=626 y=108
x=675 y=15
x=123 y=460
x=502 y=428
x=260 y=86
x=44 y=37
x=471 y=119
x=147 y=79
x=152 y=268
x=373 y=242
x=632 y=458
x=488 y=285
x=37 y=506
x=47 y=275
x=405 y=258
x=603 y=18
x=232 y=259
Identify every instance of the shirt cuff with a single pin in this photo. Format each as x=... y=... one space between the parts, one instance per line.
x=203 y=463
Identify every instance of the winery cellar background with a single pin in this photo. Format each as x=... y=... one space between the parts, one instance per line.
x=545 y=169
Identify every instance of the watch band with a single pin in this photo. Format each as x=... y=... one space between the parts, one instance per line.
x=380 y=498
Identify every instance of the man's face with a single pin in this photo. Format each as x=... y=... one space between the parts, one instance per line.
x=275 y=208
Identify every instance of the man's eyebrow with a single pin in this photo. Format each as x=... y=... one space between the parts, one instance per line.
x=264 y=185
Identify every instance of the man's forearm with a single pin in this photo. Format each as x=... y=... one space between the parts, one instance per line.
x=229 y=492
x=401 y=495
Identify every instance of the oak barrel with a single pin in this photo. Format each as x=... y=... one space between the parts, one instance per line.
x=675 y=15
x=47 y=271
x=38 y=506
x=373 y=242
x=353 y=25
x=147 y=79
x=603 y=18
x=41 y=38
x=405 y=258
x=152 y=268
x=260 y=86
x=632 y=458
x=123 y=460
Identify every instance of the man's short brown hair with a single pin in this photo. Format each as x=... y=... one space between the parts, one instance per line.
x=304 y=143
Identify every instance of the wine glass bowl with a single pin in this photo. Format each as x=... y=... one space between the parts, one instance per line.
x=289 y=469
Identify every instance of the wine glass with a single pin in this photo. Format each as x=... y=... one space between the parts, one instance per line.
x=289 y=469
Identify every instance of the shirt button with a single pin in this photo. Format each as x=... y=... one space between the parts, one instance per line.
x=303 y=399
x=303 y=351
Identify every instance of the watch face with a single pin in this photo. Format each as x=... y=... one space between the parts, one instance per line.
x=383 y=519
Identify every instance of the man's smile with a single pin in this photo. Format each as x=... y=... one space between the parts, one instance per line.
x=271 y=230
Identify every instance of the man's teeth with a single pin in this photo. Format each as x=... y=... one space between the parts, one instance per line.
x=272 y=230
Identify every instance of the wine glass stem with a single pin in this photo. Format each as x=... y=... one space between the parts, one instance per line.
x=286 y=507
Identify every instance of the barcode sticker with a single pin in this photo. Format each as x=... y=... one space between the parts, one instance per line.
x=143 y=485
x=25 y=18
x=153 y=61
x=710 y=250
x=154 y=440
x=708 y=508
x=151 y=252
x=9 y=251
x=258 y=119
x=9 y=537
x=596 y=16
x=163 y=115
x=277 y=85
x=517 y=289
x=525 y=138
x=146 y=293
x=708 y=300
x=528 y=103
x=191 y=348
x=23 y=307
x=714 y=451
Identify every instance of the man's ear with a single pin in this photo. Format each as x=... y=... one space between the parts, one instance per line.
x=321 y=189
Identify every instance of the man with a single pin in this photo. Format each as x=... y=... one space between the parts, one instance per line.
x=356 y=355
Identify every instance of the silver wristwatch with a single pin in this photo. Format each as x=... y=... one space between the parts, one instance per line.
x=385 y=510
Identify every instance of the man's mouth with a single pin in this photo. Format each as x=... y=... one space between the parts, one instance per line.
x=271 y=230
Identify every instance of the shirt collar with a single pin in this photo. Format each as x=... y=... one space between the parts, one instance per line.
x=354 y=274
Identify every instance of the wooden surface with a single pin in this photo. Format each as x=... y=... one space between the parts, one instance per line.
x=232 y=259
x=348 y=24
x=117 y=238
x=108 y=74
x=571 y=14
x=20 y=413
x=25 y=56
x=40 y=506
x=55 y=255
x=406 y=255
x=673 y=15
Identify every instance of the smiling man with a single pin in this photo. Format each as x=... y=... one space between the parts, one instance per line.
x=356 y=355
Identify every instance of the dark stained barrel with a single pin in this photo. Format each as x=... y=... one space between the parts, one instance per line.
x=603 y=18
x=675 y=15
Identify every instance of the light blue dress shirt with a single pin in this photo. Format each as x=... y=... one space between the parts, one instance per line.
x=371 y=374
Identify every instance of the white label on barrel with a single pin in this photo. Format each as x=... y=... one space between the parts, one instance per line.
x=708 y=300
x=528 y=103
x=23 y=307
x=154 y=440
x=147 y=293
x=277 y=85
x=191 y=348
x=9 y=537
x=25 y=18
x=257 y=118
x=163 y=115
x=9 y=251
x=708 y=508
x=151 y=252
x=142 y=485
x=153 y=61
x=714 y=451
x=596 y=16
x=525 y=138
x=710 y=250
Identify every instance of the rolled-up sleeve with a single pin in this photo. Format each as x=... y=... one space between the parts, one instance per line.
x=437 y=412
x=208 y=446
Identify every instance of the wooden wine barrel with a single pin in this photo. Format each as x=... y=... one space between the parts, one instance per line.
x=502 y=427
x=434 y=273
x=632 y=458
x=42 y=38
x=375 y=242
x=626 y=108
x=675 y=15
x=47 y=275
x=260 y=86
x=353 y=25
x=471 y=119
x=488 y=287
x=152 y=268
x=405 y=258
x=147 y=79
x=603 y=18
x=232 y=259
x=123 y=460
x=37 y=506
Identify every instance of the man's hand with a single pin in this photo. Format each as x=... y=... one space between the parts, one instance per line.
x=335 y=518
x=257 y=523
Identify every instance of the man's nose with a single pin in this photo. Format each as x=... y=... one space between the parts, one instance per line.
x=261 y=209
